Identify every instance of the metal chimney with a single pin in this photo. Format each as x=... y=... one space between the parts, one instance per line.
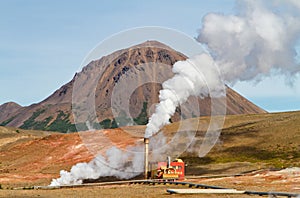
x=168 y=162
x=146 y=141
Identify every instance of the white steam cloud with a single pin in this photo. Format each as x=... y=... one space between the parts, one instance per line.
x=258 y=41
x=197 y=76
x=120 y=164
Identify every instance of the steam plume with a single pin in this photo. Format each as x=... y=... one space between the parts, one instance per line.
x=197 y=76
x=122 y=165
x=258 y=41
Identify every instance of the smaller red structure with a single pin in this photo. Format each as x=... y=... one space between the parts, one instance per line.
x=173 y=171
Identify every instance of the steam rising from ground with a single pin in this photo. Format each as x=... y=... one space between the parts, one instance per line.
x=122 y=165
x=259 y=41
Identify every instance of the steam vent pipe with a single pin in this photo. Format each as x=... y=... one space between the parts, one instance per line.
x=146 y=141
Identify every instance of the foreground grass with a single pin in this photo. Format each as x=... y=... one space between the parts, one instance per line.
x=270 y=140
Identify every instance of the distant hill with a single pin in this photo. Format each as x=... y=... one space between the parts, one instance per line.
x=55 y=112
x=7 y=111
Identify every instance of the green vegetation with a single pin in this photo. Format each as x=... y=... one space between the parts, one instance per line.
x=114 y=124
x=124 y=120
x=61 y=123
x=7 y=121
x=32 y=124
x=106 y=124
x=142 y=118
x=41 y=125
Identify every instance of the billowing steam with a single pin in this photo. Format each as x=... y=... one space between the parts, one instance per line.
x=260 y=40
x=257 y=41
x=122 y=165
x=197 y=76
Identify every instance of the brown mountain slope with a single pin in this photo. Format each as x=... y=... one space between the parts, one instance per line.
x=141 y=69
x=8 y=109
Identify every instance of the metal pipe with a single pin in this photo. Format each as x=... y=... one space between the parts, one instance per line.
x=169 y=162
x=146 y=141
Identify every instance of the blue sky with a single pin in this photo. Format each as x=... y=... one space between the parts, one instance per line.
x=42 y=43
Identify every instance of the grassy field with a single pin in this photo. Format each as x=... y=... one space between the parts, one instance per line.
x=273 y=139
x=263 y=140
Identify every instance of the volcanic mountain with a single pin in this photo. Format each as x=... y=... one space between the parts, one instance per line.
x=135 y=73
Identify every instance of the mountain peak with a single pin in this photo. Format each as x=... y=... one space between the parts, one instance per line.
x=152 y=43
x=7 y=110
x=10 y=105
x=55 y=112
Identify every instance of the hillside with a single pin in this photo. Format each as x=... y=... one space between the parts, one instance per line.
x=7 y=111
x=152 y=58
x=247 y=142
x=268 y=139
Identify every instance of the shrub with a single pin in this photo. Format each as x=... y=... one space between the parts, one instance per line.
x=61 y=124
x=31 y=123
x=142 y=118
x=106 y=124
x=6 y=122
